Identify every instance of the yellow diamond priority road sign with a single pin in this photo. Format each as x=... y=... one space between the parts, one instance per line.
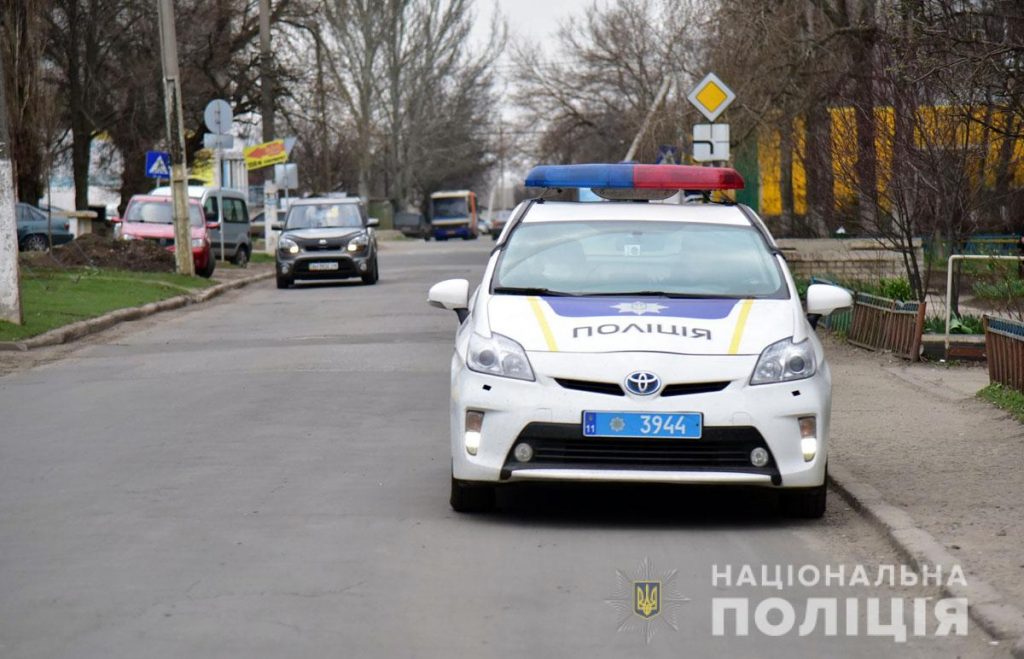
x=711 y=96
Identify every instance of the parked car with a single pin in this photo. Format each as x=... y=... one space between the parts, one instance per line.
x=327 y=238
x=151 y=217
x=33 y=233
x=231 y=212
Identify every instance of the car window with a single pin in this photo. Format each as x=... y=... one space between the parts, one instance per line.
x=234 y=211
x=159 y=212
x=609 y=257
x=210 y=207
x=328 y=215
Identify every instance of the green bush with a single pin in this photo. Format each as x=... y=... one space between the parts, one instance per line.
x=966 y=324
x=895 y=288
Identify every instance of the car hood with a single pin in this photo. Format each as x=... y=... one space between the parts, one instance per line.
x=153 y=230
x=646 y=324
x=328 y=233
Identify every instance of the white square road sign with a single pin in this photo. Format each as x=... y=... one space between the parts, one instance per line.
x=710 y=142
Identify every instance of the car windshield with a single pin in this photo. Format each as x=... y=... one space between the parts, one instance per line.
x=638 y=258
x=449 y=207
x=160 y=212
x=321 y=216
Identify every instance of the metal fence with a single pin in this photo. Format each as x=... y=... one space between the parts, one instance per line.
x=1004 y=349
x=882 y=324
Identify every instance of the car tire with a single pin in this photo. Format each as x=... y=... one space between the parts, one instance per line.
x=35 y=243
x=471 y=497
x=806 y=502
x=211 y=265
x=372 y=277
x=241 y=257
x=284 y=282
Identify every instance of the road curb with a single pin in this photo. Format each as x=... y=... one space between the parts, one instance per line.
x=83 y=328
x=986 y=605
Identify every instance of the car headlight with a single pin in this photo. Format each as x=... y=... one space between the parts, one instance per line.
x=498 y=355
x=197 y=242
x=288 y=245
x=127 y=236
x=784 y=361
x=357 y=244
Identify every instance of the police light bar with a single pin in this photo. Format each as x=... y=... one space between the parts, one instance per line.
x=636 y=177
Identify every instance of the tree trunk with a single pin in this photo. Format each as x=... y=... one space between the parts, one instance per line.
x=786 y=173
x=818 y=159
x=81 y=150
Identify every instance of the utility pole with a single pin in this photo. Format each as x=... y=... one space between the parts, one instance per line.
x=175 y=138
x=266 y=73
x=10 y=294
x=662 y=92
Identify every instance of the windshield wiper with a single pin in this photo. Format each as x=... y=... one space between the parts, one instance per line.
x=514 y=290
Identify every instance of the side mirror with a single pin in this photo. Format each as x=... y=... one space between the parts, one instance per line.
x=213 y=226
x=451 y=294
x=823 y=299
x=373 y=222
x=115 y=220
x=276 y=226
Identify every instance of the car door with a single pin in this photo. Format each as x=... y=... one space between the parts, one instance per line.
x=236 y=222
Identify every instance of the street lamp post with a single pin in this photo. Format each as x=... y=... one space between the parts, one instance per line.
x=175 y=137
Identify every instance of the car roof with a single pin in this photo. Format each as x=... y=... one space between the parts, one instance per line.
x=197 y=192
x=445 y=194
x=310 y=201
x=567 y=211
x=163 y=199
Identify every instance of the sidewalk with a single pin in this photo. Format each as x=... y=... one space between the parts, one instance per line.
x=954 y=463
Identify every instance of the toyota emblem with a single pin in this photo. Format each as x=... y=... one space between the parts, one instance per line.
x=643 y=383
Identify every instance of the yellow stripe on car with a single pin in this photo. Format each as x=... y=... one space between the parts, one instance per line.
x=549 y=336
x=737 y=334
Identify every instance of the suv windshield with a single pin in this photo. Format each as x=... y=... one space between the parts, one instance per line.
x=639 y=258
x=320 y=216
x=160 y=212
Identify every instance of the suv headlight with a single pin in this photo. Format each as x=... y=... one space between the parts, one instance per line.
x=358 y=244
x=498 y=355
x=784 y=361
x=288 y=245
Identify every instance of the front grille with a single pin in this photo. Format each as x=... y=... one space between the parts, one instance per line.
x=693 y=388
x=609 y=388
x=162 y=242
x=316 y=246
x=562 y=445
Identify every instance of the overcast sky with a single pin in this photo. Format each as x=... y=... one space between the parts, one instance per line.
x=536 y=19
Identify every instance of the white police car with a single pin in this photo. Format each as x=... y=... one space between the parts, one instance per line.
x=627 y=341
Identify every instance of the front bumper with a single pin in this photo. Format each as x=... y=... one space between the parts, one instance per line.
x=348 y=264
x=548 y=415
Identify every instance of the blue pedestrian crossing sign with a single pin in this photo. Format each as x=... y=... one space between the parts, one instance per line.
x=158 y=164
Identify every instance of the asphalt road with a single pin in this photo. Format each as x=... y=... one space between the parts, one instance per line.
x=267 y=476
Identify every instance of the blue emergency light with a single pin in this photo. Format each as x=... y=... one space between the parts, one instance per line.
x=620 y=176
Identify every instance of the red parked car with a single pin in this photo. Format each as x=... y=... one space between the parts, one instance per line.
x=152 y=218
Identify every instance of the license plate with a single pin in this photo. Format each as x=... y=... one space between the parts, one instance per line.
x=323 y=266
x=685 y=425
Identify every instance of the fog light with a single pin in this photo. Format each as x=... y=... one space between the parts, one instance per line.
x=759 y=457
x=362 y=267
x=285 y=268
x=474 y=422
x=523 y=452
x=809 y=447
